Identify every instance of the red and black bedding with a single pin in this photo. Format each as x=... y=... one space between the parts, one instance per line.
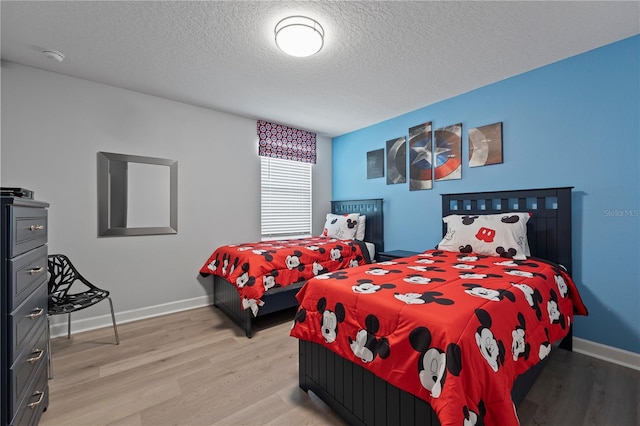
x=454 y=329
x=475 y=331
x=243 y=291
x=258 y=267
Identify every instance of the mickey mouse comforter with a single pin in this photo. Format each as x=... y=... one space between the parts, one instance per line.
x=453 y=329
x=257 y=267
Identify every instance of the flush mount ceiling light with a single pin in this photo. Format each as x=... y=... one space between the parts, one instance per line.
x=299 y=36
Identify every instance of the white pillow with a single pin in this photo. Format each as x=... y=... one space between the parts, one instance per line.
x=503 y=235
x=362 y=224
x=342 y=227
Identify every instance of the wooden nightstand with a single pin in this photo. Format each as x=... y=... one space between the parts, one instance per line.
x=384 y=256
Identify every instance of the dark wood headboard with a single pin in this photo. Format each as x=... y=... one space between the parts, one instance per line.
x=548 y=229
x=372 y=209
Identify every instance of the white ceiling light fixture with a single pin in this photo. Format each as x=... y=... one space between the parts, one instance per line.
x=299 y=36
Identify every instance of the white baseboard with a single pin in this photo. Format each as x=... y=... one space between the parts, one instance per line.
x=607 y=353
x=59 y=322
x=59 y=328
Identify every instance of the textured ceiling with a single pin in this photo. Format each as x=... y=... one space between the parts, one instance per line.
x=380 y=59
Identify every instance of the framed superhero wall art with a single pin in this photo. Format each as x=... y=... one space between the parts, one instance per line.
x=485 y=145
x=397 y=160
x=375 y=164
x=447 y=153
x=435 y=155
x=420 y=157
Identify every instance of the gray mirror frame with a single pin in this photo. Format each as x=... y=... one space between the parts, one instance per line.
x=105 y=160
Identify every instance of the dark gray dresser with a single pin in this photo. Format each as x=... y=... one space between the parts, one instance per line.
x=23 y=324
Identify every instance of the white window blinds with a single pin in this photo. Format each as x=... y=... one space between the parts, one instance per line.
x=285 y=199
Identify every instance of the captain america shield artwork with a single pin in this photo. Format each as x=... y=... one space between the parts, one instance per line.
x=485 y=145
x=420 y=157
x=397 y=160
x=447 y=152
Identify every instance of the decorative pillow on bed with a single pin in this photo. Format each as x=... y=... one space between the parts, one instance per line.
x=362 y=223
x=503 y=235
x=342 y=227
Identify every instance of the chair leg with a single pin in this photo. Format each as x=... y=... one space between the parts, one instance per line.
x=113 y=318
x=69 y=325
x=49 y=366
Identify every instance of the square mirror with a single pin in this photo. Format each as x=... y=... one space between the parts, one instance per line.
x=136 y=195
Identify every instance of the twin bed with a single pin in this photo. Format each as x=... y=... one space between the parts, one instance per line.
x=239 y=307
x=471 y=325
x=469 y=333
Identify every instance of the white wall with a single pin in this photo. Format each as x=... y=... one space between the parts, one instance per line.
x=52 y=128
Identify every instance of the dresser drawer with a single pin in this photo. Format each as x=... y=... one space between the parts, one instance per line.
x=26 y=272
x=30 y=314
x=24 y=368
x=28 y=229
x=34 y=403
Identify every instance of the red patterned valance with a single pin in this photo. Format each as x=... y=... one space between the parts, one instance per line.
x=287 y=143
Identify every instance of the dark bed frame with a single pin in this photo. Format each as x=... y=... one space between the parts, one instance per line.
x=360 y=397
x=225 y=294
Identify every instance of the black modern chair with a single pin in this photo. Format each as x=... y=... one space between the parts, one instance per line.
x=62 y=276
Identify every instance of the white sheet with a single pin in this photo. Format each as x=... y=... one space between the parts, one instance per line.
x=372 y=250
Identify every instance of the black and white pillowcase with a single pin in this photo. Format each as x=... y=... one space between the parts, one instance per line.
x=342 y=227
x=503 y=235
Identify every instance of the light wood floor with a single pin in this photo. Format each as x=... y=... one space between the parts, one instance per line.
x=197 y=368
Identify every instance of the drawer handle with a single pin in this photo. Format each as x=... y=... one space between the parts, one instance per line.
x=36 y=403
x=36 y=313
x=36 y=270
x=36 y=358
x=36 y=227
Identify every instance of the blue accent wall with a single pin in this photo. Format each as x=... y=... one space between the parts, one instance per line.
x=572 y=123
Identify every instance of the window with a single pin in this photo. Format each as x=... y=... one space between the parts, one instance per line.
x=286 y=155
x=286 y=198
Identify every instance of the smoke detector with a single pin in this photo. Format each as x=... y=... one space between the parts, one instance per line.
x=54 y=54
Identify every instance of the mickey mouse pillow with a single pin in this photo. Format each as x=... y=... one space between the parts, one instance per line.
x=342 y=227
x=503 y=235
x=360 y=229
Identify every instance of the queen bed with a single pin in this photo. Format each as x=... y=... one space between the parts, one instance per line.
x=230 y=291
x=374 y=366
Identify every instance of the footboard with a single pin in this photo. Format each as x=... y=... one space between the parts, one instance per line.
x=356 y=394
x=226 y=298
x=362 y=398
